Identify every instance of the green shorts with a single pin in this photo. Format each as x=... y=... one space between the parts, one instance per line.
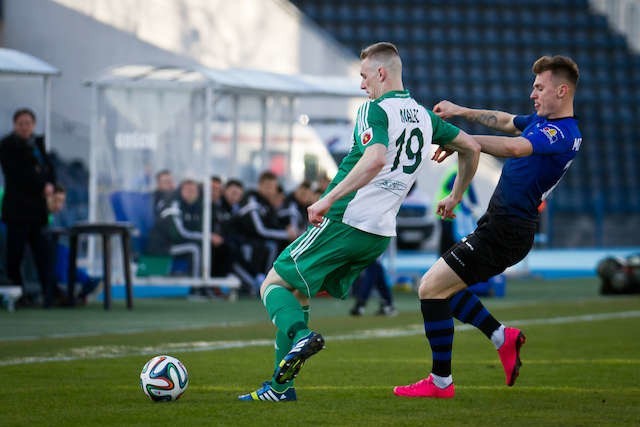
x=328 y=258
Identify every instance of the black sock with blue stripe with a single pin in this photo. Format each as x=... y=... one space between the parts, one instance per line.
x=438 y=327
x=467 y=308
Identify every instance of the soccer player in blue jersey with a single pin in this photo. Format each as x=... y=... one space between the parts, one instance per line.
x=540 y=151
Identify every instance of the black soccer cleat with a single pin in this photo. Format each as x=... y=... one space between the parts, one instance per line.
x=292 y=362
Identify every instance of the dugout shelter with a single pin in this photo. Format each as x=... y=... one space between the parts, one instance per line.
x=17 y=65
x=199 y=122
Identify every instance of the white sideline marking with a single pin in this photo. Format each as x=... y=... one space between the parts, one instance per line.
x=179 y=327
x=106 y=352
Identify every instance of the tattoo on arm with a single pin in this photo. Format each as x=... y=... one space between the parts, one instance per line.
x=489 y=119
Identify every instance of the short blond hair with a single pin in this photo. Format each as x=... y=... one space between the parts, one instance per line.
x=381 y=49
x=385 y=53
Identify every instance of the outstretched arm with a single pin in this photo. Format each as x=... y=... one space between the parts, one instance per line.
x=497 y=120
x=499 y=146
x=468 y=156
x=369 y=165
x=505 y=146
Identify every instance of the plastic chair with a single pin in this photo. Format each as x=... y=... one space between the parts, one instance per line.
x=135 y=208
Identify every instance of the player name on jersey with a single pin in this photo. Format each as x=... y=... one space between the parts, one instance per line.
x=409 y=115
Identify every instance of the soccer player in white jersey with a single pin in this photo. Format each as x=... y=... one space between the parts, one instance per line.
x=355 y=218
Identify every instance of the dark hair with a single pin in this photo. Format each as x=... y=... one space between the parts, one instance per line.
x=267 y=176
x=23 y=111
x=59 y=188
x=233 y=181
x=384 y=48
x=560 y=66
x=305 y=184
x=216 y=178
x=162 y=172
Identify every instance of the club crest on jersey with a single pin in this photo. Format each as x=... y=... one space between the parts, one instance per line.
x=551 y=132
x=366 y=136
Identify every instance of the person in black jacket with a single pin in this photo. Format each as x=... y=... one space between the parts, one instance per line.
x=29 y=178
x=294 y=209
x=260 y=231
x=224 y=244
x=178 y=230
x=164 y=193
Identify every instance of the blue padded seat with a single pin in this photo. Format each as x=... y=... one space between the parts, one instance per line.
x=135 y=208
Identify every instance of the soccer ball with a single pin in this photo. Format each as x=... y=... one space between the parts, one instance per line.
x=164 y=378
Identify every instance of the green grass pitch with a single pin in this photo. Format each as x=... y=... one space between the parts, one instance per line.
x=80 y=367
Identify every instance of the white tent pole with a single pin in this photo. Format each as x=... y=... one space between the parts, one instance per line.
x=93 y=171
x=206 y=193
x=233 y=167
x=263 y=137
x=47 y=113
x=93 y=163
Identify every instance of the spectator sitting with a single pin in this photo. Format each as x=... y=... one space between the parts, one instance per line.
x=258 y=226
x=296 y=204
x=232 y=196
x=164 y=193
x=216 y=189
x=178 y=228
x=218 y=267
x=59 y=218
x=223 y=243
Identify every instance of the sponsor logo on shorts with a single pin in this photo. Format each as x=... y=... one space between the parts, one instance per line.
x=453 y=254
x=466 y=242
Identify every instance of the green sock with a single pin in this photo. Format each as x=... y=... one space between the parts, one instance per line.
x=282 y=347
x=285 y=311
x=284 y=343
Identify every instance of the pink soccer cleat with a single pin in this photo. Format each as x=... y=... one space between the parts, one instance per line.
x=509 y=354
x=425 y=388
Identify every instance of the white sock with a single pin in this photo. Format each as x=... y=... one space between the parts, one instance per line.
x=442 y=382
x=497 y=337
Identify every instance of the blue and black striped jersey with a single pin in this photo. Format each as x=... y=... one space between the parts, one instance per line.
x=526 y=181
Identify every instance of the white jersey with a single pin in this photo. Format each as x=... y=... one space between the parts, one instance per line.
x=407 y=129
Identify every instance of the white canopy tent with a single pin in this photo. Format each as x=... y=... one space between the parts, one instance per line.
x=200 y=122
x=14 y=63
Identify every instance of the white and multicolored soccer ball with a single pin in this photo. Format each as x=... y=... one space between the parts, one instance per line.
x=164 y=378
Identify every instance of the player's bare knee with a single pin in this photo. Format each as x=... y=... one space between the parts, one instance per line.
x=426 y=289
x=273 y=278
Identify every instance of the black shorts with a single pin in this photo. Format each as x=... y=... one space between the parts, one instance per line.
x=497 y=243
